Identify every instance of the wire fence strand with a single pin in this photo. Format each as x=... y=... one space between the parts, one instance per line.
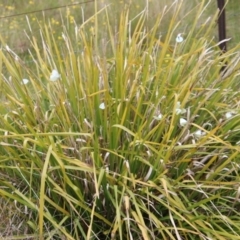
x=46 y=9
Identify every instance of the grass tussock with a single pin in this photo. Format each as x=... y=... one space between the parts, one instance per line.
x=134 y=136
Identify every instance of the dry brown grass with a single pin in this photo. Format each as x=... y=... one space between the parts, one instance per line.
x=13 y=221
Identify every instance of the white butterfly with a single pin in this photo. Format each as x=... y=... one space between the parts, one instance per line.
x=102 y=106
x=183 y=122
x=228 y=115
x=179 y=38
x=25 y=81
x=54 y=75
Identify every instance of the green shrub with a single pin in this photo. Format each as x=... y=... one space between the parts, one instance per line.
x=139 y=140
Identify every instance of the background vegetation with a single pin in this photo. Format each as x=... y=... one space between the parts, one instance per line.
x=116 y=122
x=13 y=28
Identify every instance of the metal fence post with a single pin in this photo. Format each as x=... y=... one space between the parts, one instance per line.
x=222 y=25
x=222 y=31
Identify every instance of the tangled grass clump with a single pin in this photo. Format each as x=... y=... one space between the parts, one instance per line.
x=140 y=143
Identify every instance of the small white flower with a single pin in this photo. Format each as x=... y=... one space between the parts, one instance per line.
x=126 y=164
x=8 y=48
x=179 y=110
x=102 y=106
x=25 y=81
x=183 y=122
x=228 y=115
x=159 y=117
x=198 y=134
x=179 y=38
x=63 y=36
x=150 y=170
x=54 y=75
